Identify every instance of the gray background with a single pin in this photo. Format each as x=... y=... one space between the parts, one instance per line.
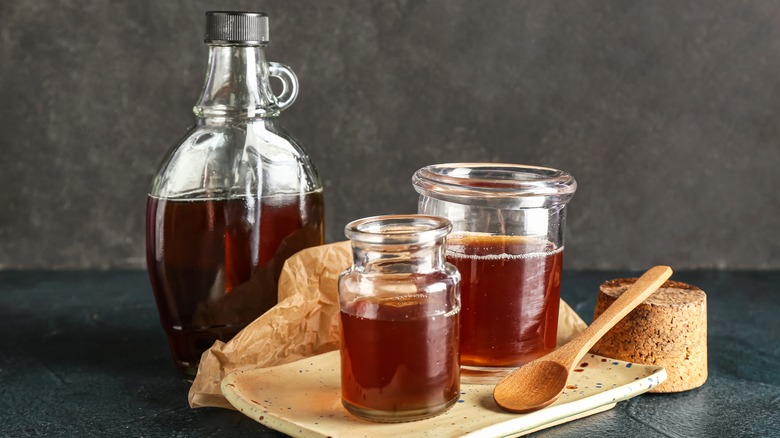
x=667 y=113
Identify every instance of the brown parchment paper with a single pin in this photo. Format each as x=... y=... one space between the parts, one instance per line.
x=304 y=323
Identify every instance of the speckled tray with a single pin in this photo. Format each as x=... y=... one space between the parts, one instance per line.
x=303 y=399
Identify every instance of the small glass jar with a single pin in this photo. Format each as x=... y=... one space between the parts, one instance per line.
x=507 y=242
x=400 y=304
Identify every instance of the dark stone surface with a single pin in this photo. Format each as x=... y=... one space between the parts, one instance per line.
x=83 y=355
x=666 y=112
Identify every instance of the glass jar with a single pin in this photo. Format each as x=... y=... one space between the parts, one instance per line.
x=233 y=199
x=507 y=242
x=399 y=320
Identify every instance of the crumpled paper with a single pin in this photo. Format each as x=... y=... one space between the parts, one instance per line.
x=304 y=323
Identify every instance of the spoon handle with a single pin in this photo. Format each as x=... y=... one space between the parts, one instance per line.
x=644 y=286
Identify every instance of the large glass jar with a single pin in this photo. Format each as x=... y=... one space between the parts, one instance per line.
x=233 y=199
x=507 y=242
x=399 y=320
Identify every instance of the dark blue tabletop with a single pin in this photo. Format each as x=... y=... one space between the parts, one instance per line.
x=83 y=354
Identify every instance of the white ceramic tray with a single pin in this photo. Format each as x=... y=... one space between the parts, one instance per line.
x=303 y=399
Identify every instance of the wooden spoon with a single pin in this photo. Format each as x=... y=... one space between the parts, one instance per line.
x=537 y=384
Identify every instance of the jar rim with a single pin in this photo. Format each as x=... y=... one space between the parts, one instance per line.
x=499 y=185
x=398 y=229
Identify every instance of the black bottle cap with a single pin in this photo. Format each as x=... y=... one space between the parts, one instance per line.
x=236 y=27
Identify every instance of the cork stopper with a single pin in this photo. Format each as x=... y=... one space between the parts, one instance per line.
x=669 y=329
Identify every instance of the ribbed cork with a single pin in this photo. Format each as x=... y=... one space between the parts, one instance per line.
x=669 y=329
x=236 y=27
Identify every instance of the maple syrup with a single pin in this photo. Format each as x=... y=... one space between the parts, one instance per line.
x=399 y=358
x=214 y=264
x=510 y=289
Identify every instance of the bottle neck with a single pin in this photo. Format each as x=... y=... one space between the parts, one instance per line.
x=237 y=84
x=396 y=259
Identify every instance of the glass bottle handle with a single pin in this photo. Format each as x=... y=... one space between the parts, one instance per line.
x=289 y=83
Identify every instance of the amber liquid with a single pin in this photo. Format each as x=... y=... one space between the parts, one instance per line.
x=397 y=360
x=510 y=291
x=214 y=264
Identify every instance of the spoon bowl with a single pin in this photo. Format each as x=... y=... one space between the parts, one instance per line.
x=538 y=384
x=551 y=378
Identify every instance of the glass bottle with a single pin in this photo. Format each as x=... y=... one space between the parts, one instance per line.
x=399 y=304
x=507 y=241
x=233 y=199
